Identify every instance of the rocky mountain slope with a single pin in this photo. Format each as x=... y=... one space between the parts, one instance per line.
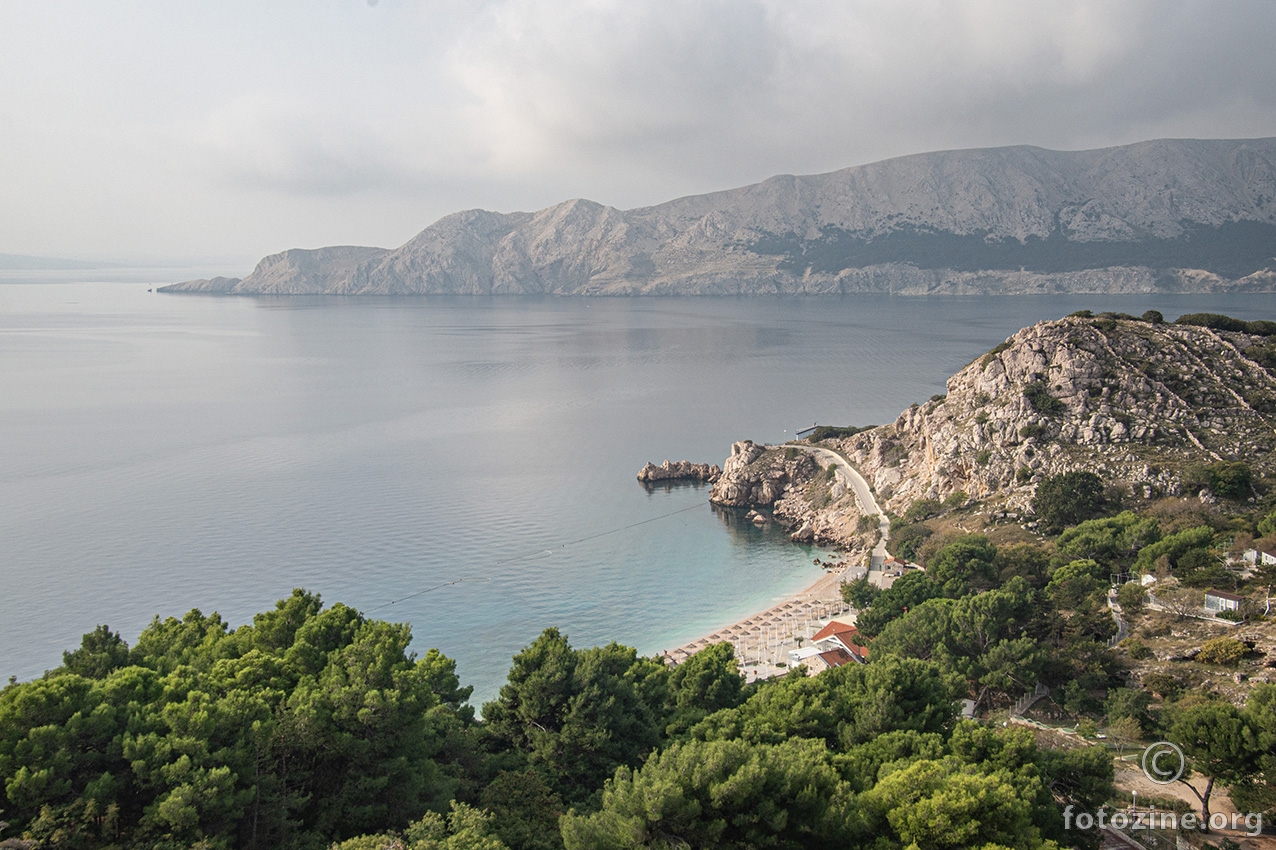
x=1164 y=215
x=1140 y=403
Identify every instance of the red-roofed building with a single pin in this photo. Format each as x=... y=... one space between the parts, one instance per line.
x=833 y=628
x=841 y=636
x=837 y=657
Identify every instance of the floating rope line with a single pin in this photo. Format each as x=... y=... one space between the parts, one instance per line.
x=538 y=553
x=428 y=589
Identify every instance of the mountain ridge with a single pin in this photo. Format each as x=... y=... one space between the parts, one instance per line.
x=1163 y=215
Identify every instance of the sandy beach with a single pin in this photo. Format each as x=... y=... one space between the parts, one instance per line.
x=762 y=641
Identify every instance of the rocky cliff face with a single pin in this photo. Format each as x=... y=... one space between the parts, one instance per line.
x=1133 y=401
x=790 y=485
x=1165 y=215
x=1136 y=402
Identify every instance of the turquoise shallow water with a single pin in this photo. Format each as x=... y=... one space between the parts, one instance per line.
x=167 y=452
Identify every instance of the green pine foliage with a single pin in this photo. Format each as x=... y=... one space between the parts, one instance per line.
x=304 y=727
x=1065 y=500
x=317 y=727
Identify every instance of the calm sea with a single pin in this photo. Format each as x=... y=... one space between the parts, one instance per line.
x=166 y=452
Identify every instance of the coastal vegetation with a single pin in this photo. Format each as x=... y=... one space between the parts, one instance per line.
x=318 y=727
x=1001 y=618
x=833 y=432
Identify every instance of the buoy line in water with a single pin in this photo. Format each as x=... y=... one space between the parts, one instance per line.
x=538 y=553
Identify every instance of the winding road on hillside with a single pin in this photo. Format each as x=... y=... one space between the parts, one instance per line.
x=851 y=477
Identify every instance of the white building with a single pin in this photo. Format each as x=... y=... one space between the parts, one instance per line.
x=1218 y=600
x=1259 y=557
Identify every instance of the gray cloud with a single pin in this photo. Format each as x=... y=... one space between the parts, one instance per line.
x=246 y=128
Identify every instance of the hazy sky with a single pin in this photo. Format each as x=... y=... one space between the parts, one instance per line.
x=149 y=130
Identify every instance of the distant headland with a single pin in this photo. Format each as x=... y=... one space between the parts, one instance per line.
x=1173 y=215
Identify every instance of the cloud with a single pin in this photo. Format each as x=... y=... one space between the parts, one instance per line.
x=299 y=123
x=300 y=146
x=701 y=87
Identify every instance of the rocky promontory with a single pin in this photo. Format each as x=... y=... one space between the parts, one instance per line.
x=679 y=470
x=1143 y=403
x=1139 y=402
x=788 y=484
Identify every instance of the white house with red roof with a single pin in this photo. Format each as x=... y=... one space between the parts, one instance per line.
x=832 y=646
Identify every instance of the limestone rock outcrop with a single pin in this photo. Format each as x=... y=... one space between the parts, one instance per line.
x=679 y=470
x=746 y=482
x=1133 y=401
x=789 y=485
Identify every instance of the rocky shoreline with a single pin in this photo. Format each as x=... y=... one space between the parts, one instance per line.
x=789 y=485
x=679 y=470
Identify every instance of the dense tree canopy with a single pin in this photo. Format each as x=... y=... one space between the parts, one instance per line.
x=1067 y=499
x=315 y=727
x=303 y=727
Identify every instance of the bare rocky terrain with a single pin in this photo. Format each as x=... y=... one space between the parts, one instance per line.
x=1133 y=401
x=679 y=470
x=791 y=486
x=1168 y=215
x=1137 y=402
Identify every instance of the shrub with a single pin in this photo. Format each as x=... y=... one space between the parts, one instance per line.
x=983 y=364
x=1163 y=685
x=1219 y=322
x=922 y=509
x=1132 y=596
x=1154 y=316
x=859 y=593
x=1213 y=321
x=907 y=540
x=1224 y=651
x=1033 y=430
x=1068 y=499
x=829 y=432
x=1023 y=475
x=1264 y=354
x=955 y=500
x=981 y=418
x=1231 y=480
x=983 y=457
x=1136 y=649
x=1038 y=395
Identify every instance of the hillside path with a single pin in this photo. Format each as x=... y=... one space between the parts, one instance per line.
x=851 y=477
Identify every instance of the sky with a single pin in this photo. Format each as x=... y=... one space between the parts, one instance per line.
x=218 y=132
